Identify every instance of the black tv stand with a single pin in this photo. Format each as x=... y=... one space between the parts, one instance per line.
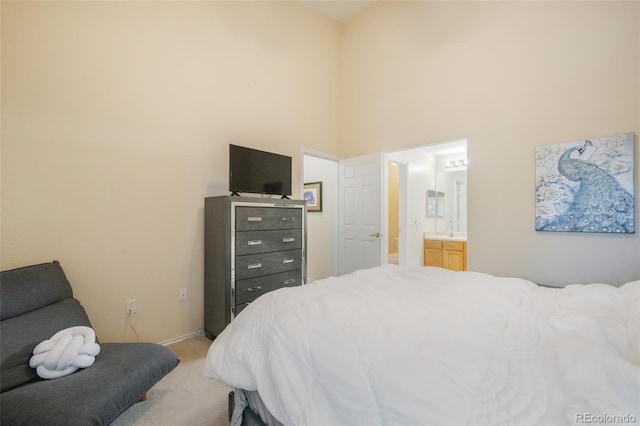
x=284 y=197
x=234 y=194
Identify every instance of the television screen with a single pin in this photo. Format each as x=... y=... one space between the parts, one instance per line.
x=259 y=172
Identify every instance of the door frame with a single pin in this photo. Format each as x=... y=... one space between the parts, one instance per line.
x=403 y=169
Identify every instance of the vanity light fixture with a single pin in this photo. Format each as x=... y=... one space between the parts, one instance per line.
x=456 y=163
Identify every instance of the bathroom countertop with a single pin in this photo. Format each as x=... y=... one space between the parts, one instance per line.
x=445 y=237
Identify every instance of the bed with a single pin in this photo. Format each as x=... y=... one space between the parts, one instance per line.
x=428 y=346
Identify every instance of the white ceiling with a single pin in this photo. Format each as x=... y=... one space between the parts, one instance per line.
x=339 y=10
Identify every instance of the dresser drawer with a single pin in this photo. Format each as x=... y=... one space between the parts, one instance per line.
x=248 y=290
x=239 y=308
x=252 y=242
x=256 y=218
x=254 y=265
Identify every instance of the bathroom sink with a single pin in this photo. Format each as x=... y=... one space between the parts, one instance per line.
x=457 y=236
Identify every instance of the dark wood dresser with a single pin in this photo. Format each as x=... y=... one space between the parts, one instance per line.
x=252 y=246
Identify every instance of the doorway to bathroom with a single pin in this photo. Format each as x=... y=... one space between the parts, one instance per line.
x=396 y=192
x=437 y=169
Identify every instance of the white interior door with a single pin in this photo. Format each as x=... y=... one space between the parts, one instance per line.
x=360 y=213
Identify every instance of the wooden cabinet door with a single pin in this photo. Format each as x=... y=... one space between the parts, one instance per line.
x=433 y=253
x=455 y=255
x=446 y=254
x=433 y=257
x=454 y=260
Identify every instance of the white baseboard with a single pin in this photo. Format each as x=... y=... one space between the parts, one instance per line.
x=198 y=332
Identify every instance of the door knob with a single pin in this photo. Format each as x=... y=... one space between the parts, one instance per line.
x=377 y=235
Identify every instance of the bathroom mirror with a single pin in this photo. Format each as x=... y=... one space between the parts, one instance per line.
x=454 y=206
x=445 y=186
x=435 y=203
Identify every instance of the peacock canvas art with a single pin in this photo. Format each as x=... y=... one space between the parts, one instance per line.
x=586 y=186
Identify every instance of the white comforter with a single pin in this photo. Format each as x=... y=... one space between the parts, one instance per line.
x=427 y=346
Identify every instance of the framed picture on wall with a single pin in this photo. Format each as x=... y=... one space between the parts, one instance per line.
x=313 y=196
x=586 y=186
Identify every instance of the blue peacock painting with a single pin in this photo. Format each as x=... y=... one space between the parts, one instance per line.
x=586 y=186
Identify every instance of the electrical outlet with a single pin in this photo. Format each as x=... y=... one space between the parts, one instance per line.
x=131 y=306
x=182 y=294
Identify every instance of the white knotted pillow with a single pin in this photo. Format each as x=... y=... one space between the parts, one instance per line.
x=65 y=352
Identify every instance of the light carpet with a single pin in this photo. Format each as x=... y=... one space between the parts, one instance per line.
x=184 y=397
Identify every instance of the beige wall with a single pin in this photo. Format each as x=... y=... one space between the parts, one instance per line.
x=509 y=76
x=116 y=117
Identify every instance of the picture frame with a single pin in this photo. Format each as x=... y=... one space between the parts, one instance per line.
x=312 y=195
x=586 y=186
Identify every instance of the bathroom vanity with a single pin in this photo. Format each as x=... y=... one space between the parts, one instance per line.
x=445 y=252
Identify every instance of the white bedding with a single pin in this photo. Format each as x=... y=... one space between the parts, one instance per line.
x=427 y=346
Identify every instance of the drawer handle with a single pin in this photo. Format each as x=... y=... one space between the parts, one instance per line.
x=254 y=242
x=256 y=288
x=287 y=219
x=285 y=261
x=254 y=219
x=290 y=281
x=254 y=265
x=288 y=240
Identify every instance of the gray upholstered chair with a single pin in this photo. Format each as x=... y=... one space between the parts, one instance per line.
x=35 y=303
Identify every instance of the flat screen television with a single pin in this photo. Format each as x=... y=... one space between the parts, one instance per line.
x=258 y=172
